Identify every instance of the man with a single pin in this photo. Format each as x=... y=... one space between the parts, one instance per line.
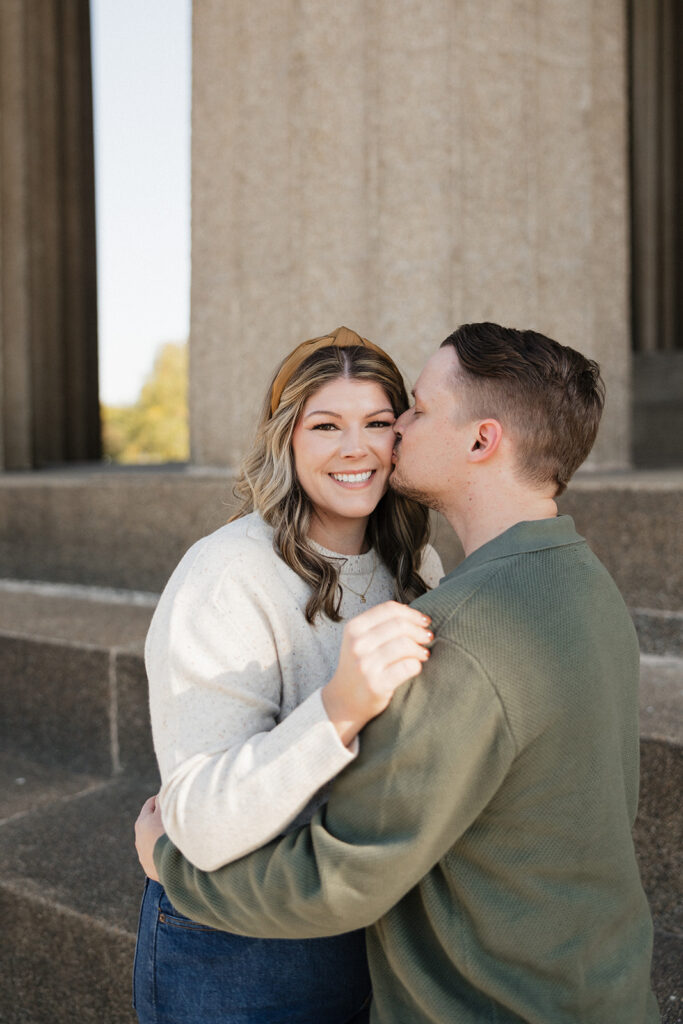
x=483 y=835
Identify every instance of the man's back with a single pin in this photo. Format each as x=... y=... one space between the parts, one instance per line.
x=536 y=911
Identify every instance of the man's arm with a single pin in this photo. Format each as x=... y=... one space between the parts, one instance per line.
x=428 y=765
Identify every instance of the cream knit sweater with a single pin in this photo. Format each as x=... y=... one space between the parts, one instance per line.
x=240 y=731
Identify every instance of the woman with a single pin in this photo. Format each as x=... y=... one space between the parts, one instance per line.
x=257 y=688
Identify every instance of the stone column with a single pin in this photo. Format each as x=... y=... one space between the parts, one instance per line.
x=49 y=409
x=402 y=168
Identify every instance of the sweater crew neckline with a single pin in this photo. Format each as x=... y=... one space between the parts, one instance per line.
x=523 y=538
x=352 y=565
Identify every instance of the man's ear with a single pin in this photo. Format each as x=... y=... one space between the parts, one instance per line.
x=487 y=438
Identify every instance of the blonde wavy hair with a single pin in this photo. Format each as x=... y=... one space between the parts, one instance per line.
x=398 y=528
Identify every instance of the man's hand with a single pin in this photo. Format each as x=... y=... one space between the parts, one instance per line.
x=148 y=828
x=380 y=650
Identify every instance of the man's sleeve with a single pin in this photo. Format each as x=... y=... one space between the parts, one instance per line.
x=427 y=767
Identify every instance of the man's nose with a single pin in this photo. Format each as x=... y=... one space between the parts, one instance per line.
x=398 y=424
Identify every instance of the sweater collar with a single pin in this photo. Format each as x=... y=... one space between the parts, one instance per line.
x=521 y=538
x=354 y=565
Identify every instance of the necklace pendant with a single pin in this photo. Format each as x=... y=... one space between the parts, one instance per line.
x=362 y=597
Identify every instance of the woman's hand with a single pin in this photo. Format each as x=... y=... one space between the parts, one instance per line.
x=381 y=649
x=148 y=828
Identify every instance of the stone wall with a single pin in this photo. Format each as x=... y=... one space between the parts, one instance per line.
x=402 y=168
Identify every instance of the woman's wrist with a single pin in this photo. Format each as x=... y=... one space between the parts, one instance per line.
x=347 y=725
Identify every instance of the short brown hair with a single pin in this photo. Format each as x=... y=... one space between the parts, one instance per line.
x=547 y=395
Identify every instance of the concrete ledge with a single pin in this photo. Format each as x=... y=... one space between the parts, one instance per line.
x=56 y=704
x=71 y=883
x=70 y=888
x=69 y=895
x=129 y=528
x=110 y=528
x=658 y=833
x=666 y=976
x=79 y=853
x=661 y=699
x=27 y=786
x=73 y=690
x=633 y=522
x=60 y=967
x=659 y=632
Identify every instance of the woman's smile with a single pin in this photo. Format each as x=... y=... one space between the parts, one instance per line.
x=354 y=479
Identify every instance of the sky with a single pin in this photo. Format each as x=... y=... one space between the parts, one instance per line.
x=141 y=88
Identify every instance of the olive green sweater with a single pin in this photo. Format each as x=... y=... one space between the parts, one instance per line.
x=483 y=835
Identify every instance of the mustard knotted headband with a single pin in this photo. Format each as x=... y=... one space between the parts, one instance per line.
x=341 y=338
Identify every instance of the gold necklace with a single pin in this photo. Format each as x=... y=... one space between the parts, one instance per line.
x=372 y=576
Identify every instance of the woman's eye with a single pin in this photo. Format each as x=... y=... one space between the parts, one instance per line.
x=382 y=423
x=325 y=426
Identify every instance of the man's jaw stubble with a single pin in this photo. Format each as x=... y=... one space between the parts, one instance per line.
x=404 y=489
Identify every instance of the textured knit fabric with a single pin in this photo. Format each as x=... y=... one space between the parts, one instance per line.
x=484 y=832
x=235 y=670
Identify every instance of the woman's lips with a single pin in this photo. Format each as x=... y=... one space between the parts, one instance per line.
x=356 y=480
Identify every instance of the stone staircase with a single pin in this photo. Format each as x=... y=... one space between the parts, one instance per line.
x=83 y=554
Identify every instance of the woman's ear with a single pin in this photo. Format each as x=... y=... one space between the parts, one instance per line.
x=489 y=434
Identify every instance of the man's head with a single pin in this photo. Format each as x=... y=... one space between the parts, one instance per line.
x=487 y=385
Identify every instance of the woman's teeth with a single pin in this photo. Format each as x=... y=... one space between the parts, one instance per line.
x=352 y=478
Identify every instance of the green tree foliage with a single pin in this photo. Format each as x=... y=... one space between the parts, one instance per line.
x=155 y=428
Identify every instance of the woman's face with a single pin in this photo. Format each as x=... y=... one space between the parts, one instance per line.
x=342 y=447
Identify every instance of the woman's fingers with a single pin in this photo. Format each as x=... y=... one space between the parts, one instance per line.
x=148 y=828
x=399 y=673
x=388 y=612
x=149 y=807
x=387 y=631
x=378 y=666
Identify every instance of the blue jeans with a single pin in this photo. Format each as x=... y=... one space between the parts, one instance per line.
x=188 y=973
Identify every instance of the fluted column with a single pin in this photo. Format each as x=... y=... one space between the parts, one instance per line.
x=48 y=304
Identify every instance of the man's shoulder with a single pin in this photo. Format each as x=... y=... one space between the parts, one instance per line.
x=455 y=595
x=535 y=584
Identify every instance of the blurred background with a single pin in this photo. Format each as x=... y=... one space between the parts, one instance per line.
x=398 y=168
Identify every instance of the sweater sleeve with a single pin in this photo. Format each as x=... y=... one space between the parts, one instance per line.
x=232 y=775
x=428 y=766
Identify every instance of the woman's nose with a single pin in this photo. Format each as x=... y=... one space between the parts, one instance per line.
x=352 y=443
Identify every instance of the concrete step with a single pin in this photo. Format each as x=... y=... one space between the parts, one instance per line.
x=106 y=526
x=73 y=690
x=659 y=632
x=70 y=887
x=78 y=763
x=658 y=832
x=128 y=527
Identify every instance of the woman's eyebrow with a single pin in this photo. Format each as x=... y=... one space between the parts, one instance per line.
x=337 y=415
x=322 y=412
